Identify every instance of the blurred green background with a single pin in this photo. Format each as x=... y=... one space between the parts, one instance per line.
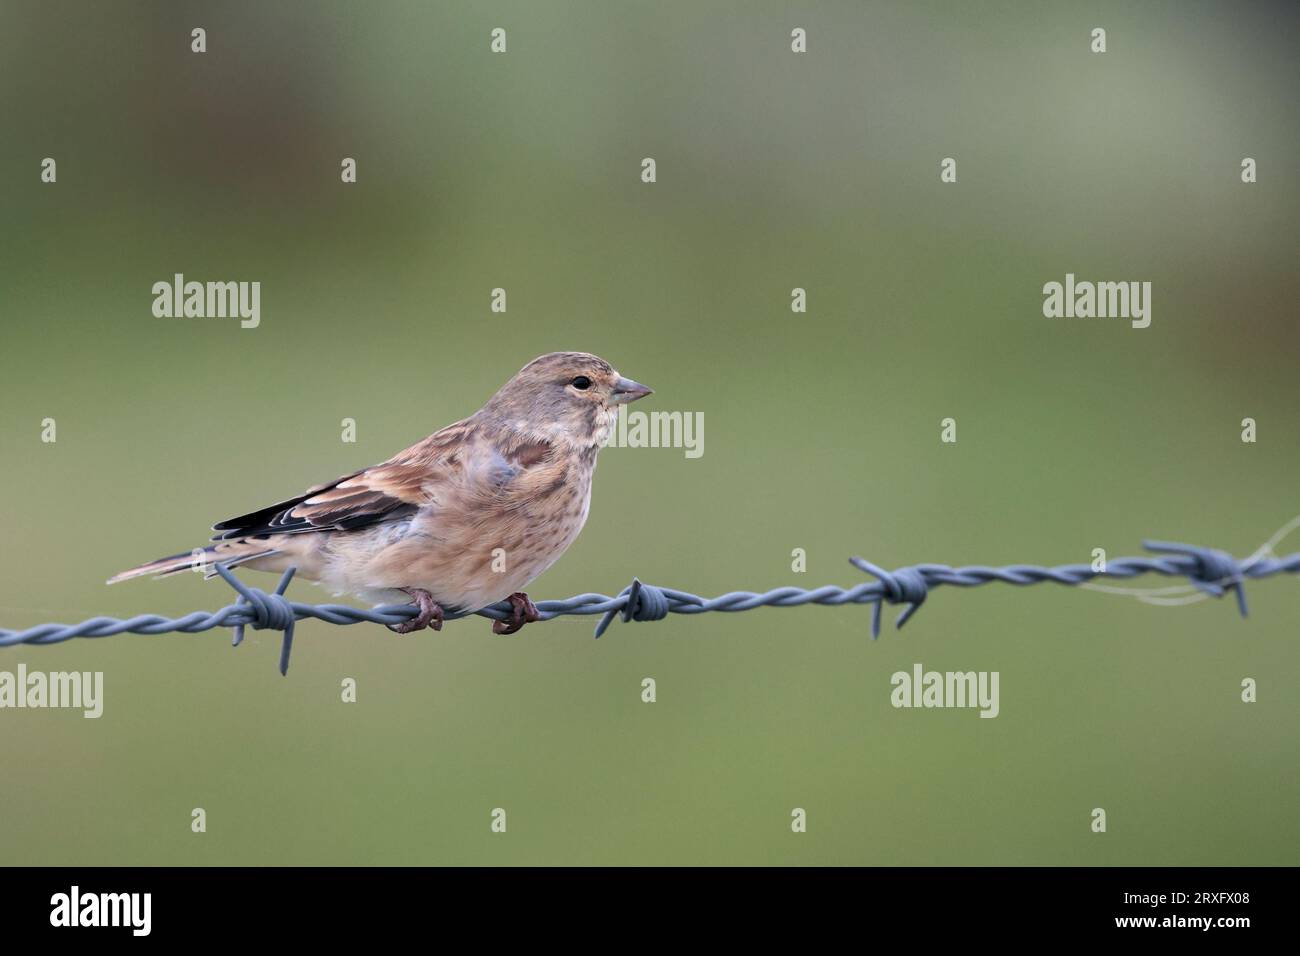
x=775 y=170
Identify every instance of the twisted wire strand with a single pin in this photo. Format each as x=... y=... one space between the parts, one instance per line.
x=1213 y=572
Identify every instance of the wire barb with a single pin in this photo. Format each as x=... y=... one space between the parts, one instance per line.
x=1215 y=573
x=902 y=586
x=1211 y=572
x=642 y=602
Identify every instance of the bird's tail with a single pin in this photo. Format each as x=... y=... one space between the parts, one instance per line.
x=230 y=553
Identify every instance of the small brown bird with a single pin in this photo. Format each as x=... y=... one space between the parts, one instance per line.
x=463 y=519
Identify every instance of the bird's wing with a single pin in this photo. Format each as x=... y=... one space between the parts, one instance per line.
x=382 y=493
x=385 y=492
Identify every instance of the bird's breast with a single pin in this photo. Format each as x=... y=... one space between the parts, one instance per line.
x=553 y=502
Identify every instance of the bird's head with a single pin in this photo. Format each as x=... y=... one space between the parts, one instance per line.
x=567 y=396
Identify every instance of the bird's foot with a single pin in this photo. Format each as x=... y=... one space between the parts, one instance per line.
x=522 y=611
x=430 y=613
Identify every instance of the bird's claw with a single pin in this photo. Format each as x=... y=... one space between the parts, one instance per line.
x=522 y=611
x=430 y=613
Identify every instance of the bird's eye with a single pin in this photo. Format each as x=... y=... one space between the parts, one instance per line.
x=581 y=382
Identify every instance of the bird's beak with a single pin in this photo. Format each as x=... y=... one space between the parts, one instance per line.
x=626 y=390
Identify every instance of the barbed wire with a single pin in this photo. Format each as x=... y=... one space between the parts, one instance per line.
x=1212 y=572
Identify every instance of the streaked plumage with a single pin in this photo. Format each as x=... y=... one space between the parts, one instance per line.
x=515 y=476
